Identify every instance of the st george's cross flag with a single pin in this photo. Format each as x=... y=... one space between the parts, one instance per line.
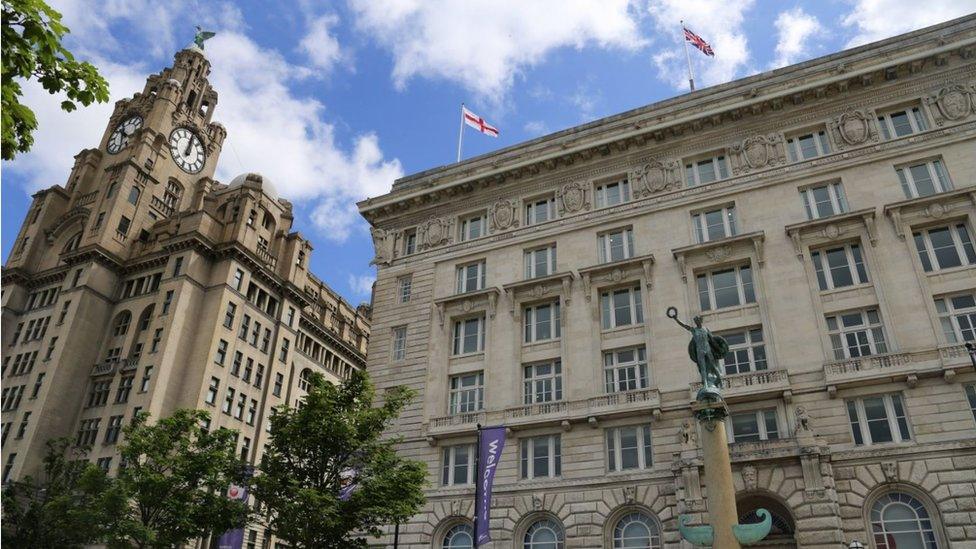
x=698 y=42
x=478 y=123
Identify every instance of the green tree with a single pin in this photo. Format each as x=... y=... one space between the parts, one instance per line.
x=334 y=438
x=31 y=42
x=174 y=483
x=62 y=509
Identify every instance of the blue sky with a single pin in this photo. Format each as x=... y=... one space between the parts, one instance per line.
x=334 y=100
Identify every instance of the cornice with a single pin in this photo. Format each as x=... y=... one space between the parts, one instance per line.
x=830 y=227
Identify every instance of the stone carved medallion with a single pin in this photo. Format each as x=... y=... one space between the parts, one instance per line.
x=654 y=177
x=758 y=151
x=539 y=290
x=953 y=102
x=832 y=231
x=854 y=127
x=890 y=470
x=503 y=215
x=935 y=211
x=718 y=254
x=572 y=197
x=436 y=232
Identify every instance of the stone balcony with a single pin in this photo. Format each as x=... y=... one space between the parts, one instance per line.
x=161 y=206
x=104 y=368
x=905 y=366
x=563 y=413
x=265 y=256
x=86 y=199
x=128 y=365
x=738 y=387
x=763 y=449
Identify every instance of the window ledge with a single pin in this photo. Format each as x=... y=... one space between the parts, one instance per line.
x=950 y=270
x=537 y=288
x=467 y=302
x=845 y=289
x=935 y=206
x=617 y=271
x=826 y=229
x=720 y=250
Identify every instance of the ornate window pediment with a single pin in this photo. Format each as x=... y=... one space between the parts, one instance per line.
x=829 y=229
x=720 y=251
x=617 y=271
x=466 y=303
x=948 y=205
x=555 y=285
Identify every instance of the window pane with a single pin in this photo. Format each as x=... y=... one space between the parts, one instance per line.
x=923 y=180
x=877 y=420
x=745 y=427
x=944 y=248
x=628 y=448
x=726 y=290
x=840 y=272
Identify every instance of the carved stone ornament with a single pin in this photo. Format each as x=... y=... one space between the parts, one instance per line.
x=537 y=503
x=436 y=231
x=383 y=246
x=936 y=211
x=503 y=215
x=832 y=231
x=757 y=152
x=655 y=176
x=890 y=470
x=720 y=253
x=572 y=197
x=630 y=494
x=854 y=127
x=750 y=477
x=952 y=103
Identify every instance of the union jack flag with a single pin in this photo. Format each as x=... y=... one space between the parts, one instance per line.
x=699 y=43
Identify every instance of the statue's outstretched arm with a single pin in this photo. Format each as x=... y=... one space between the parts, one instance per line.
x=683 y=325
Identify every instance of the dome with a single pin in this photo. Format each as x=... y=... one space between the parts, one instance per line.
x=263 y=182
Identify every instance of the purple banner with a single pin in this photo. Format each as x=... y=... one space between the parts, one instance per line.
x=233 y=539
x=490 y=443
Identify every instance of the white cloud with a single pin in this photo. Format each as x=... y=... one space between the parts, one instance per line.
x=287 y=138
x=362 y=285
x=320 y=44
x=484 y=45
x=873 y=20
x=719 y=22
x=794 y=29
x=536 y=127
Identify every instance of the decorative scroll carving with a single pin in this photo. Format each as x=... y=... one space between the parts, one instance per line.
x=573 y=197
x=434 y=232
x=854 y=127
x=953 y=102
x=504 y=215
x=760 y=151
x=384 y=243
x=655 y=176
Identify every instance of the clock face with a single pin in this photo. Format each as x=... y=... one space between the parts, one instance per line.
x=123 y=132
x=187 y=150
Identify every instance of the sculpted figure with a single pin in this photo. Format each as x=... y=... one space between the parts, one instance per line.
x=705 y=349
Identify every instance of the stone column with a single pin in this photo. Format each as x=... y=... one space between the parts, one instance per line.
x=722 y=511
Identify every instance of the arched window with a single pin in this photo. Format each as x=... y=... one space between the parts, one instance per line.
x=783 y=528
x=145 y=318
x=461 y=536
x=900 y=520
x=637 y=530
x=544 y=534
x=72 y=243
x=303 y=379
x=122 y=321
x=171 y=197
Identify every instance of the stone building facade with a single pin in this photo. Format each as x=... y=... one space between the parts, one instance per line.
x=143 y=284
x=820 y=217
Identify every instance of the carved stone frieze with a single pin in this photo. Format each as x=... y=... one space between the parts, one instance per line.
x=655 y=176
x=573 y=197
x=757 y=152
x=854 y=127
x=435 y=232
x=952 y=103
x=503 y=215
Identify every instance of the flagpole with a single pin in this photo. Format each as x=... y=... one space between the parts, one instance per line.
x=684 y=40
x=460 y=133
x=477 y=485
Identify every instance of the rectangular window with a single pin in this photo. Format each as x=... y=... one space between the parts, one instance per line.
x=9 y=466
x=807 y=146
x=409 y=241
x=901 y=123
x=178 y=266
x=753 y=426
x=878 y=419
x=146 y=378
x=824 y=200
x=221 y=355
x=279 y=381
x=625 y=370
x=64 y=312
x=37 y=385
x=541 y=457
x=228 y=401
x=255 y=334
x=98 y=395
x=541 y=322
x=542 y=382
x=167 y=301
x=283 y=352
x=469 y=336
x=971 y=397
x=266 y=341
x=540 y=210
x=50 y=348
x=839 y=267
x=125 y=388
x=611 y=194
x=714 y=224
x=944 y=247
x=157 y=337
x=467 y=393
x=621 y=307
x=290 y=317
x=616 y=245
x=404 y=288
x=471 y=278
x=259 y=376
x=399 y=343
x=473 y=227
x=248 y=368
x=212 y=390
x=540 y=262
x=707 y=170
x=113 y=430
x=245 y=327
x=229 y=315
x=241 y=405
x=924 y=179
x=235 y=367
x=24 y=422
x=238 y=279
x=856 y=333
x=252 y=412
x=123 y=227
x=629 y=448
x=747 y=351
x=457 y=468
x=958 y=316
x=725 y=288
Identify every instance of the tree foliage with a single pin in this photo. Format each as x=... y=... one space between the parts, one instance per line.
x=61 y=509
x=32 y=49
x=333 y=438
x=174 y=483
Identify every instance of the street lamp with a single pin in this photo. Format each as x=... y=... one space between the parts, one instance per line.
x=856 y=545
